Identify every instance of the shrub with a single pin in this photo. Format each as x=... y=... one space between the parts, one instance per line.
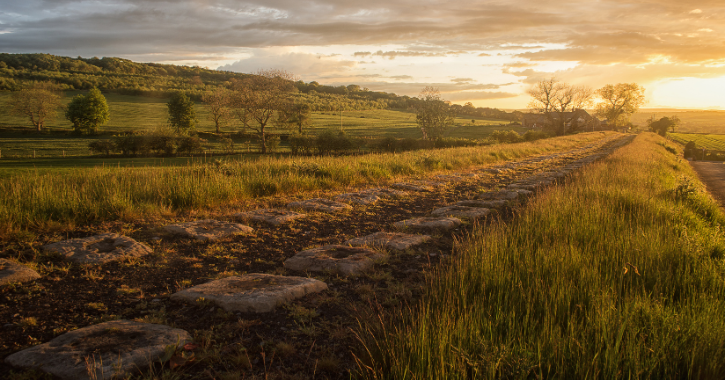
x=535 y=135
x=102 y=147
x=162 y=142
x=189 y=144
x=131 y=144
x=301 y=144
x=506 y=136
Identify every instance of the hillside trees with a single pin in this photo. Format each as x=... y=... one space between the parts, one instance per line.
x=257 y=99
x=619 y=102
x=37 y=102
x=182 y=116
x=554 y=99
x=88 y=112
x=217 y=102
x=662 y=125
x=433 y=115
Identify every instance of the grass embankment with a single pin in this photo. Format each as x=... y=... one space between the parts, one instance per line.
x=617 y=274
x=82 y=195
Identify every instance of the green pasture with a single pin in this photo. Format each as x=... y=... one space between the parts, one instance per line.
x=695 y=121
x=707 y=141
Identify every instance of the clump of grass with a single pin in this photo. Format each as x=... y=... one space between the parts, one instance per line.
x=610 y=276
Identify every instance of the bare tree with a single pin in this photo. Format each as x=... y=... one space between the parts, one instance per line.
x=554 y=99
x=38 y=102
x=619 y=102
x=258 y=98
x=218 y=103
x=433 y=115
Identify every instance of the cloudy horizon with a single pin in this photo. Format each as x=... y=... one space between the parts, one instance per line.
x=485 y=52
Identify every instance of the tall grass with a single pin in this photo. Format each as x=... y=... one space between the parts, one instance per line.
x=82 y=195
x=617 y=274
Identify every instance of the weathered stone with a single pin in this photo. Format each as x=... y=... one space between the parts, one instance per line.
x=510 y=195
x=429 y=223
x=523 y=186
x=412 y=187
x=11 y=271
x=361 y=198
x=320 y=204
x=271 y=216
x=390 y=240
x=337 y=258
x=208 y=229
x=99 y=249
x=462 y=212
x=496 y=203
x=104 y=351
x=386 y=193
x=251 y=293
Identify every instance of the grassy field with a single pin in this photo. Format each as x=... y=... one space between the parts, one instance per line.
x=691 y=121
x=135 y=113
x=33 y=197
x=617 y=274
x=714 y=142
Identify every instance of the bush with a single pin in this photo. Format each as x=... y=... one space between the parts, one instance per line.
x=301 y=144
x=102 y=147
x=189 y=144
x=506 y=136
x=535 y=135
x=131 y=145
x=329 y=142
x=162 y=142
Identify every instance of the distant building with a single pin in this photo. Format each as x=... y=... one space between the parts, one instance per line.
x=579 y=120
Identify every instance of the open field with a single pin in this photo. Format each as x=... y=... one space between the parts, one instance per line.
x=308 y=338
x=35 y=197
x=714 y=142
x=692 y=121
x=617 y=274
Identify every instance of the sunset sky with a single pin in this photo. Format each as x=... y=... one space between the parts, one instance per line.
x=485 y=52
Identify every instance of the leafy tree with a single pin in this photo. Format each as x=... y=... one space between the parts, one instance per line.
x=38 y=102
x=554 y=99
x=298 y=115
x=433 y=115
x=619 y=102
x=182 y=116
x=217 y=102
x=663 y=124
x=88 y=112
x=260 y=97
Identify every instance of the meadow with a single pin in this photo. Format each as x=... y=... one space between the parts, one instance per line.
x=145 y=114
x=35 y=198
x=707 y=141
x=616 y=274
x=692 y=121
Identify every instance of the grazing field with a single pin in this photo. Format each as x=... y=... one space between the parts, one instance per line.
x=714 y=142
x=695 y=121
x=617 y=274
x=35 y=197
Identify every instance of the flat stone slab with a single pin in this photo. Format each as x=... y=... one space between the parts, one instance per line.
x=361 y=198
x=421 y=188
x=271 y=216
x=251 y=293
x=390 y=240
x=99 y=249
x=342 y=259
x=112 y=350
x=320 y=204
x=208 y=229
x=509 y=195
x=496 y=203
x=429 y=223
x=11 y=271
x=386 y=193
x=462 y=212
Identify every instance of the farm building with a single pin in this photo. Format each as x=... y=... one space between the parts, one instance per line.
x=579 y=120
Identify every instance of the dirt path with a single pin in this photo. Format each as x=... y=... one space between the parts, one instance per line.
x=712 y=174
